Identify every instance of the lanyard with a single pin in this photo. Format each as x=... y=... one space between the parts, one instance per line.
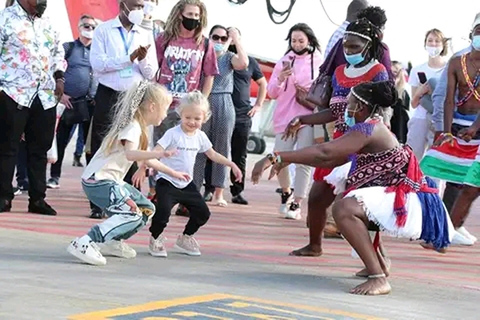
x=127 y=45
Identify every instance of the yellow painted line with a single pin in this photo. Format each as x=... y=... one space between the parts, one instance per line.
x=309 y=308
x=152 y=306
x=196 y=314
x=269 y=308
x=158 y=305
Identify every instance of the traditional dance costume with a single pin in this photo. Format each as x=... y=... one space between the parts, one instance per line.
x=344 y=79
x=457 y=162
x=394 y=193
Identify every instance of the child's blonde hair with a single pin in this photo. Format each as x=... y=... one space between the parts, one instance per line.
x=195 y=99
x=131 y=105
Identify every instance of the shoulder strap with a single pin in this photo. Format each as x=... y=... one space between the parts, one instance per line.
x=163 y=48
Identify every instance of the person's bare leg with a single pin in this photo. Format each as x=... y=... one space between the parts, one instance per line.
x=462 y=205
x=384 y=261
x=352 y=222
x=320 y=198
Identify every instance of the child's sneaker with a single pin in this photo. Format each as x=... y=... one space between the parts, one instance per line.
x=86 y=250
x=187 y=245
x=157 y=246
x=287 y=198
x=118 y=249
x=294 y=212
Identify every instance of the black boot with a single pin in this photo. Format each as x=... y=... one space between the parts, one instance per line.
x=41 y=207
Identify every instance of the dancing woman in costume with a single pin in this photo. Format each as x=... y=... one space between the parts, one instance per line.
x=379 y=182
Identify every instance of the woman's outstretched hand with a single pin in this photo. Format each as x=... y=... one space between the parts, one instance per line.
x=276 y=169
x=292 y=129
x=259 y=168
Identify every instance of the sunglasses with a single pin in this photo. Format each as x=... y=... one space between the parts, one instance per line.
x=88 y=26
x=216 y=37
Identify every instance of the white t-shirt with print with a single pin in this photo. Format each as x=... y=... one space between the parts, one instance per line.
x=115 y=165
x=188 y=147
x=420 y=112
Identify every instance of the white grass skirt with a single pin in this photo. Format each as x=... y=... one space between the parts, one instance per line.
x=379 y=206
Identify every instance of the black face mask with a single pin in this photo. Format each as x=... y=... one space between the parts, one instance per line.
x=232 y=48
x=303 y=51
x=41 y=7
x=190 y=24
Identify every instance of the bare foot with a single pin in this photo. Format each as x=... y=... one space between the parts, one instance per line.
x=331 y=231
x=385 y=267
x=429 y=246
x=307 y=251
x=373 y=287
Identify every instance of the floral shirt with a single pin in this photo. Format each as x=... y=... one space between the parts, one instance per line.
x=31 y=53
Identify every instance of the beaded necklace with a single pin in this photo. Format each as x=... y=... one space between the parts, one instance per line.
x=471 y=86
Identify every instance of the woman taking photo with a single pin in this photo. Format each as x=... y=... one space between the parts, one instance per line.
x=381 y=188
x=289 y=84
x=420 y=130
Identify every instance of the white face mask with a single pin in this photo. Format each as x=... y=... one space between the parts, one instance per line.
x=148 y=7
x=136 y=16
x=433 y=51
x=87 y=34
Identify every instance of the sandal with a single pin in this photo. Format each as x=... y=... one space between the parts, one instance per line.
x=220 y=203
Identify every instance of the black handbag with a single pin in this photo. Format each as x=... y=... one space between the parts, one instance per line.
x=79 y=112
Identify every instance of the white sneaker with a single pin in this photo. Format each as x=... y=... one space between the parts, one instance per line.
x=118 y=249
x=461 y=240
x=466 y=234
x=187 y=245
x=157 y=246
x=287 y=199
x=86 y=250
x=294 y=212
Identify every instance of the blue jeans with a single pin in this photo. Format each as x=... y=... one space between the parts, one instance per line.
x=128 y=210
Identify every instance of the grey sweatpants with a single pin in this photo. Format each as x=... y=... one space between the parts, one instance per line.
x=219 y=129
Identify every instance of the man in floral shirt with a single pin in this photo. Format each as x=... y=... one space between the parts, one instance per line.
x=31 y=81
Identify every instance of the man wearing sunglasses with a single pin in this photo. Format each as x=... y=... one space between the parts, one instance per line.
x=80 y=88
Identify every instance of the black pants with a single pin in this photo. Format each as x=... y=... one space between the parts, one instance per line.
x=22 y=175
x=167 y=195
x=39 y=126
x=63 y=137
x=239 y=154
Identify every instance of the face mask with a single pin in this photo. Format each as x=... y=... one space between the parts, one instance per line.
x=476 y=42
x=190 y=24
x=354 y=59
x=136 y=16
x=87 y=34
x=349 y=121
x=218 y=47
x=433 y=51
x=303 y=51
x=41 y=7
x=148 y=7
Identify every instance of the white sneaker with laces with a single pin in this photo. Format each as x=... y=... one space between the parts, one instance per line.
x=463 y=231
x=157 y=246
x=86 y=250
x=287 y=199
x=187 y=245
x=294 y=212
x=118 y=249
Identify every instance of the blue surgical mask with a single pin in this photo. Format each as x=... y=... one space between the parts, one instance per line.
x=218 y=47
x=354 y=59
x=476 y=42
x=349 y=121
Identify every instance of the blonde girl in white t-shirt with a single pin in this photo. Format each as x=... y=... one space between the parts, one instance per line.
x=127 y=141
x=189 y=140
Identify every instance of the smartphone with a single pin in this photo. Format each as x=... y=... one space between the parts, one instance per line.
x=422 y=77
x=287 y=64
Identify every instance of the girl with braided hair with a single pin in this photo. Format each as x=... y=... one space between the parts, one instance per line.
x=361 y=48
x=379 y=184
x=128 y=210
